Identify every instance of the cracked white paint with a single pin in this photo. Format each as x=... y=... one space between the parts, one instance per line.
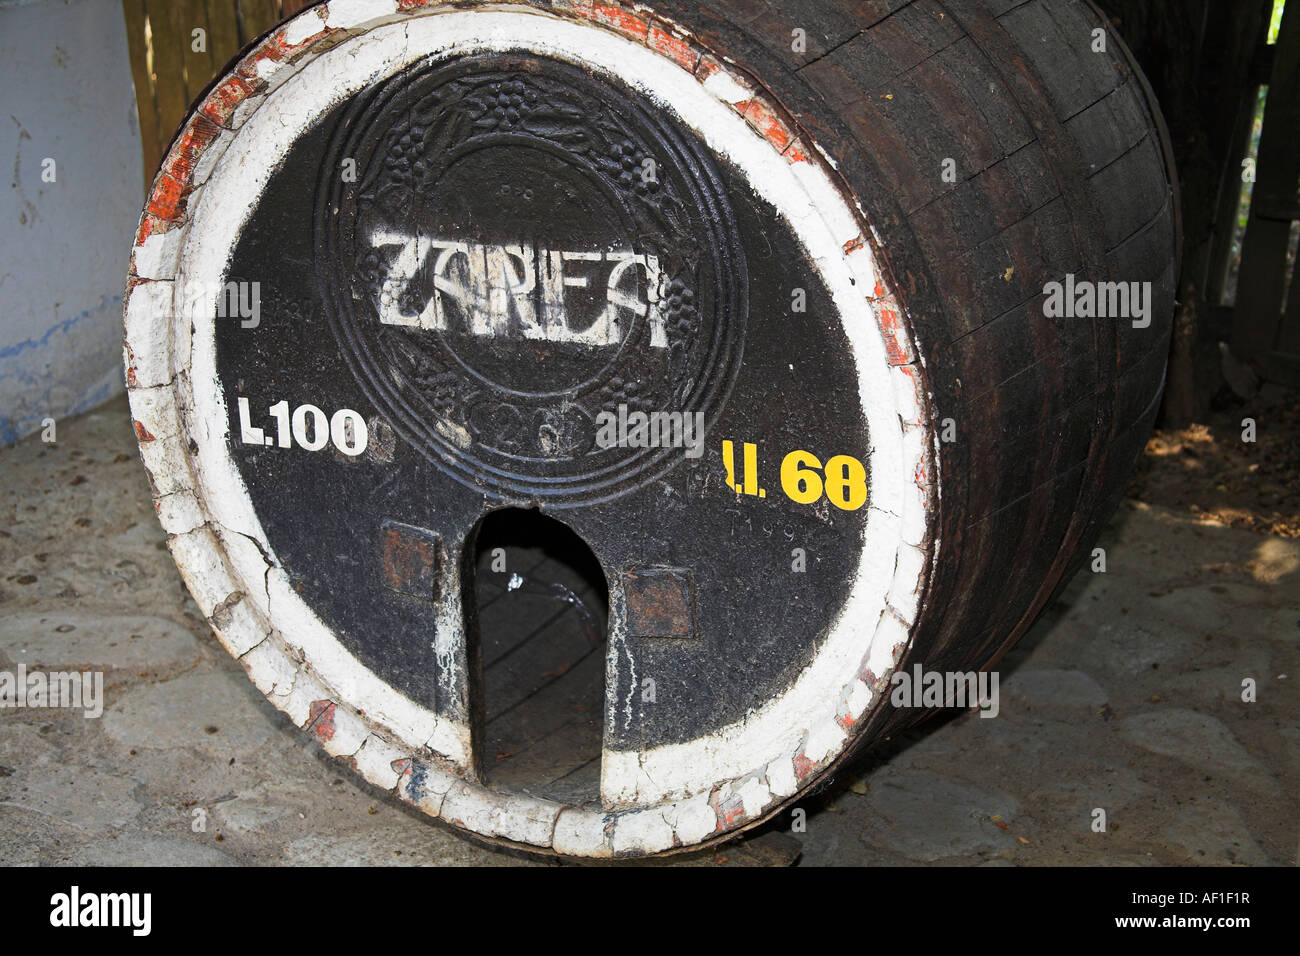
x=302 y=28
x=825 y=740
x=242 y=630
x=374 y=760
x=858 y=699
x=350 y=733
x=754 y=796
x=432 y=789
x=179 y=512
x=271 y=670
x=156 y=258
x=581 y=833
x=642 y=831
x=344 y=14
x=207 y=160
x=726 y=88
x=781 y=779
x=908 y=570
x=199 y=557
x=246 y=109
x=517 y=817
x=692 y=820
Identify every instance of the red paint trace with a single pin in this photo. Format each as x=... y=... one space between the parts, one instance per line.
x=166 y=201
x=620 y=20
x=224 y=99
x=681 y=52
x=321 y=719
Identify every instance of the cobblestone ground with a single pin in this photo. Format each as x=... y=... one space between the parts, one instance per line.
x=1126 y=696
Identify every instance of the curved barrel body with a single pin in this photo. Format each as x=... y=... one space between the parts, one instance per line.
x=832 y=330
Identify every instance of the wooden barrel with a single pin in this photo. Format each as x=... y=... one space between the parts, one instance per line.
x=574 y=415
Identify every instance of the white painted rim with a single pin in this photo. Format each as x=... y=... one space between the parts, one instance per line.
x=670 y=796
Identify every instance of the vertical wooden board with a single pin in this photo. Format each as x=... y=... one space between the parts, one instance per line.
x=133 y=11
x=166 y=20
x=256 y=17
x=1234 y=33
x=1258 y=319
x=1229 y=198
x=193 y=15
x=1258 y=315
x=1289 y=338
x=1276 y=188
x=223 y=31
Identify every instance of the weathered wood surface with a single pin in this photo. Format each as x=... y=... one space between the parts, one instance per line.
x=1259 y=327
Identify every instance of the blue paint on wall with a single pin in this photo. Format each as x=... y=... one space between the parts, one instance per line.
x=27 y=365
x=69 y=210
x=19 y=347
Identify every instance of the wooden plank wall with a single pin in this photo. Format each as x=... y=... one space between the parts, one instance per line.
x=1260 y=331
x=170 y=69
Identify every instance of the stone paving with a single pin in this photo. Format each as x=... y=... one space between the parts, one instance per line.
x=1126 y=696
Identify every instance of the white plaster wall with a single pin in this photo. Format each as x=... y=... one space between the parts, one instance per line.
x=66 y=94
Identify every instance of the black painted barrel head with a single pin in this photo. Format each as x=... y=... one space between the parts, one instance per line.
x=510 y=251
